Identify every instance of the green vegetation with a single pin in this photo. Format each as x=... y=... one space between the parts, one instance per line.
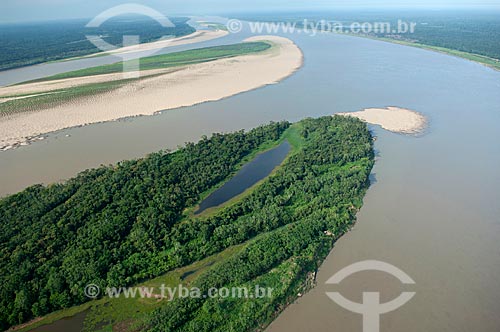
x=472 y=32
x=170 y=60
x=32 y=43
x=292 y=135
x=123 y=224
x=122 y=309
x=317 y=191
x=113 y=225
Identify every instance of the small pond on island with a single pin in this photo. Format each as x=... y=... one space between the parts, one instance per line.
x=251 y=173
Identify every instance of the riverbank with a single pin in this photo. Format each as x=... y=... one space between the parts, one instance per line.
x=395 y=119
x=187 y=85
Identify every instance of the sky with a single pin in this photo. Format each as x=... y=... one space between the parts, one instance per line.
x=37 y=10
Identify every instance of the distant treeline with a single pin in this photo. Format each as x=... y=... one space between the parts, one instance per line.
x=126 y=223
x=32 y=43
x=471 y=32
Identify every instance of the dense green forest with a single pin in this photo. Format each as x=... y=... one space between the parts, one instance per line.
x=31 y=43
x=471 y=32
x=120 y=225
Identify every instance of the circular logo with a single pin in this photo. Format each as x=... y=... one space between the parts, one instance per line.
x=234 y=26
x=92 y=291
x=371 y=308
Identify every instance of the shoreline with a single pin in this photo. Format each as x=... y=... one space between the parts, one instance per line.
x=189 y=85
x=392 y=118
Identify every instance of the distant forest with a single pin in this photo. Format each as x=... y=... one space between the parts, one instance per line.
x=31 y=43
x=463 y=31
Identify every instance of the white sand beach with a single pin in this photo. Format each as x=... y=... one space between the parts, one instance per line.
x=395 y=119
x=184 y=86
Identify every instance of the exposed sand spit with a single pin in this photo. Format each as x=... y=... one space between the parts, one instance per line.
x=395 y=119
x=186 y=86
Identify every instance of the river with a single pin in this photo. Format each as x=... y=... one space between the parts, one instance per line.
x=433 y=207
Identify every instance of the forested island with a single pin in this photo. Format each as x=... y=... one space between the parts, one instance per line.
x=129 y=223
